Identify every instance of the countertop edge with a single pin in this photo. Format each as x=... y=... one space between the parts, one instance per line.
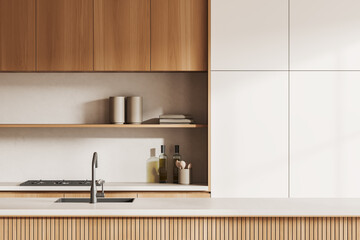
x=183 y=207
x=108 y=187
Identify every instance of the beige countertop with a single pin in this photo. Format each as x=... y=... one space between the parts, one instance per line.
x=110 y=186
x=183 y=207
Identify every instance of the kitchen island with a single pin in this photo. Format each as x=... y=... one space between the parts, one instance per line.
x=157 y=218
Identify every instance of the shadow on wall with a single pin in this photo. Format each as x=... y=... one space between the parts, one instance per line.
x=151 y=121
x=96 y=111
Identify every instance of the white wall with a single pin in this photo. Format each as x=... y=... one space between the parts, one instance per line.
x=82 y=98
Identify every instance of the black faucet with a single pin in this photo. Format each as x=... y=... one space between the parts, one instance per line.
x=93 y=191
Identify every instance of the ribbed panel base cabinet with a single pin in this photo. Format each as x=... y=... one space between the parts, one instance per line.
x=243 y=228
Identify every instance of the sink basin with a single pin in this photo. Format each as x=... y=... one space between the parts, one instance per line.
x=99 y=200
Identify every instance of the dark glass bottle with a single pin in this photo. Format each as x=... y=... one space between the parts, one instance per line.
x=176 y=157
x=163 y=165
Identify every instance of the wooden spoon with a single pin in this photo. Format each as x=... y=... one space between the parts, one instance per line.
x=182 y=164
x=178 y=165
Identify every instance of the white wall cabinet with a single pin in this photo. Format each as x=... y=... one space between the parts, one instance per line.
x=249 y=117
x=249 y=35
x=325 y=134
x=324 y=35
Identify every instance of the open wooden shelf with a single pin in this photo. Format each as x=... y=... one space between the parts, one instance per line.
x=103 y=125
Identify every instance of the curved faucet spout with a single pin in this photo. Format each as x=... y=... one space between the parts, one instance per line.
x=95 y=160
x=93 y=189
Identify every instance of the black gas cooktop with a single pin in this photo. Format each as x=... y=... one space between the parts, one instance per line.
x=57 y=183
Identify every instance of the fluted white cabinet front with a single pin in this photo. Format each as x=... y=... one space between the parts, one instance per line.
x=249 y=123
x=249 y=34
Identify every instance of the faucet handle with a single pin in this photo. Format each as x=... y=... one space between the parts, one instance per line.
x=102 y=193
x=100 y=181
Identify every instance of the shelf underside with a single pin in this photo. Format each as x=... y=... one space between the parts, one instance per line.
x=103 y=125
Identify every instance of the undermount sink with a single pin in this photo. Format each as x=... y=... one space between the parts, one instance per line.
x=99 y=200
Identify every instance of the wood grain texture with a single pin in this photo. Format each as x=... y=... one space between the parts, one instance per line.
x=65 y=35
x=122 y=35
x=114 y=228
x=103 y=126
x=173 y=195
x=209 y=94
x=107 y=194
x=17 y=35
x=112 y=194
x=179 y=35
x=31 y=194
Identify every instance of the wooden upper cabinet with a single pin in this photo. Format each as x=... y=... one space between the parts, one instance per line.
x=122 y=35
x=103 y=35
x=179 y=35
x=65 y=35
x=17 y=35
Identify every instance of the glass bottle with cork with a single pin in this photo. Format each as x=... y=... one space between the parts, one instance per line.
x=152 y=167
x=176 y=157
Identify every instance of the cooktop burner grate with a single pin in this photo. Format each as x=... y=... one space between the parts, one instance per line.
x=57 y=183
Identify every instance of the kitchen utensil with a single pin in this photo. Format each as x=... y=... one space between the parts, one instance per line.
x=182 y=164
x=189 y=166
x=184 y=176
x=178 y=165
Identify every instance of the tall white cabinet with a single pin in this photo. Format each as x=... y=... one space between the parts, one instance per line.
x=249 y=134
x=324 y=98
x=324 y=35
x=285 y=123
x=249 y=103
x=325 y=134
x=249 y=35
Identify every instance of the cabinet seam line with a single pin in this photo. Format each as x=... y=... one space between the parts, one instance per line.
x=289 y=162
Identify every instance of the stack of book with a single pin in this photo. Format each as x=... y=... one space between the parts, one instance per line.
x=175 y=119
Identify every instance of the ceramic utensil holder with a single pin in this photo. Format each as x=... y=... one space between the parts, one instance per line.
x=134 y=110
x=117 y=109
x=184 y=176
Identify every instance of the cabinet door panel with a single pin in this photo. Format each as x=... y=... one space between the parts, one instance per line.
x=65 y=35
x=31 y=195
x=249 y=123
x=17 y=35
x=122 y=35
x=324 y=134
x=173 y=195
x=107 y=194
x=249 y=35
x=325 y=35
x=179 y=35
x=121 y=194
